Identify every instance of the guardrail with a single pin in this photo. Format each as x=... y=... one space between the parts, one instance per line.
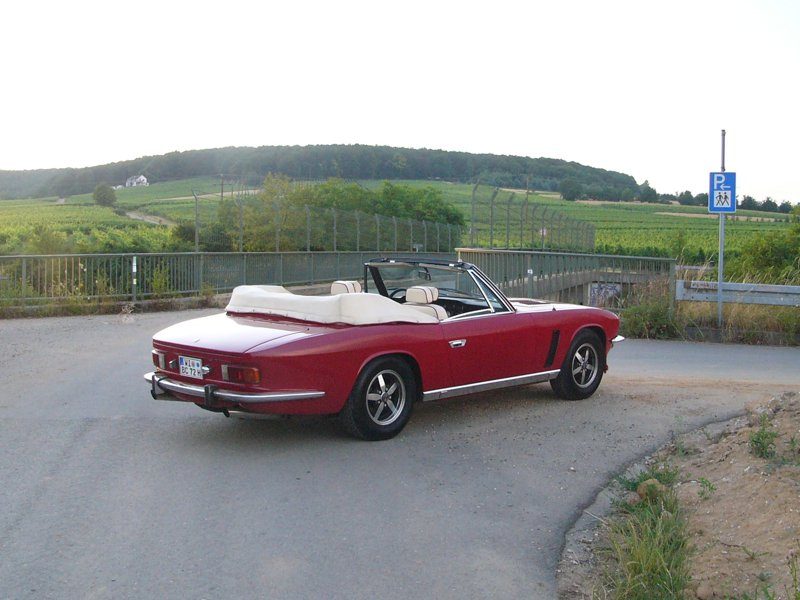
x=596 y=279
x=133 y=277
x=738 y=293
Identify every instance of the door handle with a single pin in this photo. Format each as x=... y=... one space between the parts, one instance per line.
x=458 y=343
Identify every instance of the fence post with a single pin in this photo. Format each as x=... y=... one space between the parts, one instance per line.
x=672 y=287
x=241 y=224
x=358 y=231
x=508 y=221
x=491 y=218
x=333 y=210
x=277 y=227
x=308 y=229
x=133 y=278
x=24 y=285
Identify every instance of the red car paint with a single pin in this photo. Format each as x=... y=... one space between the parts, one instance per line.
x=294 y=355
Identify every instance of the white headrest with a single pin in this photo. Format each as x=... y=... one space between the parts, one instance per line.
x=345 y=287
x=422 y=294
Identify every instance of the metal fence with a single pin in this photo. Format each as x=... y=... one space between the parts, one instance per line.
x=595 y=279
x=509 y=219
x=245 y=226
x=133 y=277
x=26 y=280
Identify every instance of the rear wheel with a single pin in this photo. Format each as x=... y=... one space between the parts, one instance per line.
x=381 y=401
x=582 y=369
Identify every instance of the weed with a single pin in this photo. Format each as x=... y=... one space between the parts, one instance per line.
x=762 y=441
x=707 y=488
x=650 y=549
x=663 y=473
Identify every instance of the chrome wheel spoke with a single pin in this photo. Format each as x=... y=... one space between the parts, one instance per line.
x=385 y=398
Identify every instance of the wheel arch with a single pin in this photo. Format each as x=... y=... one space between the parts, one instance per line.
x=406 y=358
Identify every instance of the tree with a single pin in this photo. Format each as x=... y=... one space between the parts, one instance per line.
x=748 y=203
x=686 y=198
x=769 y=205
x=647 y=193
x=785 y=207
x=570 y=189
x=104 y=195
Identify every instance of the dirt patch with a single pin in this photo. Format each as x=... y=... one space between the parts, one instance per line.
x=743 y=510
x=150 y=218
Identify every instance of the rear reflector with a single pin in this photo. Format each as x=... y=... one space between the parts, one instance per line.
x=236 y=374
x=159 y=359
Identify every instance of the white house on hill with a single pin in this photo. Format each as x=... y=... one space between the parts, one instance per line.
x=136 y=180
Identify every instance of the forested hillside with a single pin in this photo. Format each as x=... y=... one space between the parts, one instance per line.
x=250 y=165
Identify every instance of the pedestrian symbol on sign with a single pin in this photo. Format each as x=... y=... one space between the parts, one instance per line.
x=722 y=193
x=723 y=198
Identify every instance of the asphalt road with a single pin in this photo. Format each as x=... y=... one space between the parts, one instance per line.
x=106 y=493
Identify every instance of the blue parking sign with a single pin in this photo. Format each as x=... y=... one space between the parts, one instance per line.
x=722 y=193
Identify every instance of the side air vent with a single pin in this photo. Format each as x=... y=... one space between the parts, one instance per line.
x=551 y=355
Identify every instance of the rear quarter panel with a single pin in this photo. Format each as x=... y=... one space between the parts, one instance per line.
x=332 y=361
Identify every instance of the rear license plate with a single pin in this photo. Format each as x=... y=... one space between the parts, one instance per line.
x=191 y=367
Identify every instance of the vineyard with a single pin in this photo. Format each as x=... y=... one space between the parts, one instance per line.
x=77 y=225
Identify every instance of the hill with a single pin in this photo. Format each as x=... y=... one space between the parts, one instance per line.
x=250 y=165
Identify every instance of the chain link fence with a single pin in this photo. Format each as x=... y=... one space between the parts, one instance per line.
x=510 y=219
x=281 y=228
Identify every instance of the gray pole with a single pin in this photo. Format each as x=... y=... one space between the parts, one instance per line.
x=721 y=261
x=491 y=217
x=196 y=223
x=508 y=221
x=472 y=218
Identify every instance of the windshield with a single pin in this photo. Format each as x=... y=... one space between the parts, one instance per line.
x=458 y=291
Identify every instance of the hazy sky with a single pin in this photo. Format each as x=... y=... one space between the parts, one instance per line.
x=642 y=87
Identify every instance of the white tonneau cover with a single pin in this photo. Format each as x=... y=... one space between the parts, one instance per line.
x=352 y=309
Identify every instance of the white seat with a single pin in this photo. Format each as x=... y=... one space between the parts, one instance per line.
x=345 y=287
x=422 y=298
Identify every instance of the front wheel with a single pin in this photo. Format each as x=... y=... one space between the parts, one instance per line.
x=381 y=401
x=582 y=369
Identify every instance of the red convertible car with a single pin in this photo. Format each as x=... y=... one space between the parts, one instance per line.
x=411 y=330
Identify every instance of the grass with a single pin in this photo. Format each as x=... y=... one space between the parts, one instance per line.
x=648 y=544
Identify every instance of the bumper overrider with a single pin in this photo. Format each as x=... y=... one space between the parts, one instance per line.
x=163 y=388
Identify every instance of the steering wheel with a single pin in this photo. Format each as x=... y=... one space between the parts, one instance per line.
x=397 y=293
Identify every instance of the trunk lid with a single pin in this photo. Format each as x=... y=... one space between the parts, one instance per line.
x=234 y=334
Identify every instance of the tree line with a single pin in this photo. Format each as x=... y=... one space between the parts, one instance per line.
x=317 y=163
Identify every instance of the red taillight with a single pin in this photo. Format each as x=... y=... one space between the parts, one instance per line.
x=159 y=359
x=237 y=374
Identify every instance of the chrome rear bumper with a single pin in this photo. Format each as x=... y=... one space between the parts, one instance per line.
x=618 y=339
x=161 y=388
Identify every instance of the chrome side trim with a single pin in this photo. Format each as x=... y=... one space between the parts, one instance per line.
x=162 y=386
x=618 y=339
x=484 y=386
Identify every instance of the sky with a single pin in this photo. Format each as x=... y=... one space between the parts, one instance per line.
x=639 y=87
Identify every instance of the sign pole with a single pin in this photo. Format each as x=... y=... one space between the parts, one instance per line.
x=721 y=261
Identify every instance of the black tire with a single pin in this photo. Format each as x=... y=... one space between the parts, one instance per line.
x=381 y=401
x=583 y=368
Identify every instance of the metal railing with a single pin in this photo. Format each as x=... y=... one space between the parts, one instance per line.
x=134 y=277
x=596 y=279
x=26 y=280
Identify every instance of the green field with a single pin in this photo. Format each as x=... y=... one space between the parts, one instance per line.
x=622 y=228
